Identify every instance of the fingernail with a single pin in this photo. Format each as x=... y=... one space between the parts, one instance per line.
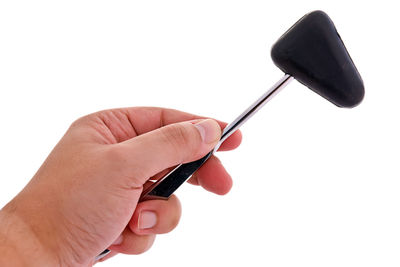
x=118 y=241
x=147 y=219
x=209 y=130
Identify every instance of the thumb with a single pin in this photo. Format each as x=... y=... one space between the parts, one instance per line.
x=170 y=145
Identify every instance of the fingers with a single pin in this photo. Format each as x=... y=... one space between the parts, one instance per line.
x=152 y=152
x=133 y=244
x=232 y=142
x=213 y=177
x=156 y=216
x=150 y=218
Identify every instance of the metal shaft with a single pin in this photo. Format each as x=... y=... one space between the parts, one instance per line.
x=256 y=106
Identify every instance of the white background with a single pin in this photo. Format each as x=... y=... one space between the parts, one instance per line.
x=314 y=185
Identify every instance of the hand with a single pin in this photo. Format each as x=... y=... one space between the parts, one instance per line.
x=85 y=195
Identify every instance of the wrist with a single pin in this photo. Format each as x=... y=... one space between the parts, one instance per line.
x=19 y=246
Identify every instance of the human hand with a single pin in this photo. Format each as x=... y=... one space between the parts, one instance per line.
x=85 y=195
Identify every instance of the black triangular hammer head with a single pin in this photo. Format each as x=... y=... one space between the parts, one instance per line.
x=314 y=54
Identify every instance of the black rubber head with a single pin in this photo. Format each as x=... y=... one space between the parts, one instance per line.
x=314 y=54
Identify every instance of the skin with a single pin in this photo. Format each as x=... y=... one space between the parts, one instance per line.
x=84 y=197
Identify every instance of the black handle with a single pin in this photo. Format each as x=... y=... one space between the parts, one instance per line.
x=167 y=186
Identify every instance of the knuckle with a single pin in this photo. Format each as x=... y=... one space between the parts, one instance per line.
x=78 y=122
x=83 y=121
